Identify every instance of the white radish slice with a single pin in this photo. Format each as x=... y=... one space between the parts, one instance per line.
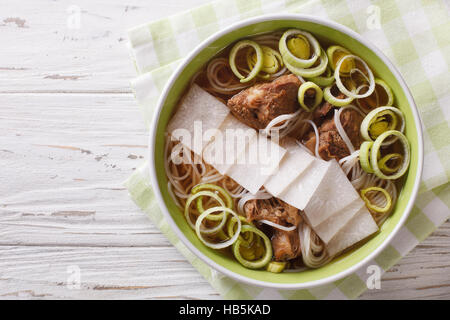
x=227 y=143
x=330 y=227
x=259 y=161
x=198 y=112
x=333 y=194
x=299 y=193
x=294 y=163
x=360 y=227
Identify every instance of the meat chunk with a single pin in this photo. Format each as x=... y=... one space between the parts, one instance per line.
x=261 y=103
x=322 y=111
x=331 y=144
x=286 y=245
x=274 y=210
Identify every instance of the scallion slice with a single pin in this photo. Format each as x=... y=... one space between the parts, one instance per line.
x=376 y=148
x=373 y=207
x=295 y=48
x=304 y=87
x=258 y=64
x=253 y=264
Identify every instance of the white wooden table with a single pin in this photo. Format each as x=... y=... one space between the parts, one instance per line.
x=71 y=133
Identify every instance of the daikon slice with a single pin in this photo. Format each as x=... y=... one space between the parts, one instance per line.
x=358 y=228
x=302 y=189
x=333 y=194
x=259 y=161
x=331 y=226
x=293 y=164
x=198 y=112
x=227 y=143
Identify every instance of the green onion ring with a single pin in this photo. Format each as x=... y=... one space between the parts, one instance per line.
x=328 y=96
x=341 y=86
x=311 y=72
x=301 y=95
x=206 y=186
x=326 y=79
x=269 y=55
x=388 y=90
x=375 y=208
x=219 y=245
x=260 y=262
x=382 y=162
x=230 y=229
x=373 y=115
x=192 y=197
x=330 y=52
x=364 y=156
x=276 y=266
x=290 y=58
x=376 y=148
x=259 y=60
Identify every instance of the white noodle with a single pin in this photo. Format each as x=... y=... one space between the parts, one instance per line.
x=314 y=254
x=316 y=132
x=212 y=73
x=340 y=129
x=278 y=226
x=261 y=194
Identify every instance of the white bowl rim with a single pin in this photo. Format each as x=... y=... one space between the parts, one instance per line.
x=152 y=139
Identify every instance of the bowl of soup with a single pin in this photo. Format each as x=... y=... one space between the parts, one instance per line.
x=286 y=151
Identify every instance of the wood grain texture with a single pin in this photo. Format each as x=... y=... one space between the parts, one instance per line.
x=70 y=134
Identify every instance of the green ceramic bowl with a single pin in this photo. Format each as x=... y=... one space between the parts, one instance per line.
x=329 y=32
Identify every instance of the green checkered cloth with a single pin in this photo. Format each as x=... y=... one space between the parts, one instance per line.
x=414 y=34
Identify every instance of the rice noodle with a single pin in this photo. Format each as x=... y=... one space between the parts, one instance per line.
x=277 y=226
x=261 y=194
x=316 y=133
x=314 y=254
x=231 y=86
x=340 y=128
x=281 y=124
x=362 y=180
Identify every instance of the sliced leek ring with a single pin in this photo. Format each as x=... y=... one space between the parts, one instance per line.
x=325 y=79
x=230 y=230
x=302 y=91
x=272 y=60
x=296 y=58
x=364 y=156
x=340 y=52
x=373 y=207
x=220 y=245
x=371 y=119
x=209 y=186
x=353 y=93
x=328 y=96
x=276 y=266
x=384 y=167
x=376 y=148
x=309 y=72
x=253 y=264
x=199 y=194
x=258 y=64
x=387 y=90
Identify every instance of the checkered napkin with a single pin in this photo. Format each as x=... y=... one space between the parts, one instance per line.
x=414 y=34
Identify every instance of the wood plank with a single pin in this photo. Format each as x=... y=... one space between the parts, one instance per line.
x=162 y=273
x=423 y=274
x=45 y=53
x=105 y=273
x=66 y=158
